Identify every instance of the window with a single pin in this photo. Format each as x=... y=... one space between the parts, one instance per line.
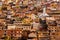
x=53 y=33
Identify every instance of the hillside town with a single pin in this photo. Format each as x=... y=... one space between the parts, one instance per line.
x=29 y=19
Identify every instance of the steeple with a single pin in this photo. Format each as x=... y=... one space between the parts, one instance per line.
x=44 y=14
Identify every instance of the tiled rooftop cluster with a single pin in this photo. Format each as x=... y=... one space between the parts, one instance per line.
x=16 y=15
